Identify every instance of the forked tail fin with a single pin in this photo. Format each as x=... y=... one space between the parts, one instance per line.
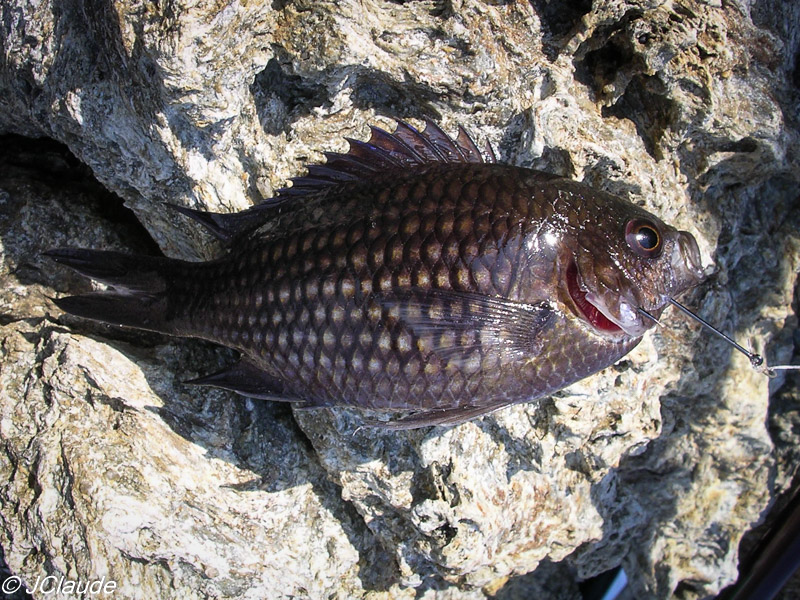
x=139 y=288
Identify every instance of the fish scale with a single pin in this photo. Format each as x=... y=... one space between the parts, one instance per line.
x=447 y=288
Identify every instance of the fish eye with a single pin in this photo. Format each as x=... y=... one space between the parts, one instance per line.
x=643 y=238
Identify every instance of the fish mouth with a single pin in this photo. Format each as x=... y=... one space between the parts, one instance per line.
x=589 y=311
x=594 y=311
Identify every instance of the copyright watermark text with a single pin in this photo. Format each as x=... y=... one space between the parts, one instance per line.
x=55 y=584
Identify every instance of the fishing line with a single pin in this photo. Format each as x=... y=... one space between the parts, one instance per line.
x=755 y=359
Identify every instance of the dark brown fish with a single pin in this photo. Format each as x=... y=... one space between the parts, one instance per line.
x=411 y=274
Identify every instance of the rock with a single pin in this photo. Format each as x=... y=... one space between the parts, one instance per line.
x=660 y=463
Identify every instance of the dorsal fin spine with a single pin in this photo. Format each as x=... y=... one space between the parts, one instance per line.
x=395 y=145
x=384 y=152
x=442 y=142
x=411 y=135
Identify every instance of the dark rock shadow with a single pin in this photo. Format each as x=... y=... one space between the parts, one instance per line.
x=610 y=65
x=283 y=96
x=5 y=574
x=549 y=581
x=559 y=22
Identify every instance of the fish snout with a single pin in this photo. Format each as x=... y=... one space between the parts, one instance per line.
x=686 y=263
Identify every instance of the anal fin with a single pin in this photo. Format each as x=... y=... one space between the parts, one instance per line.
x=430 y=418
x=248 y=380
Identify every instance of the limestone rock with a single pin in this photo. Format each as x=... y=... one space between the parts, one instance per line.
x=659 y=463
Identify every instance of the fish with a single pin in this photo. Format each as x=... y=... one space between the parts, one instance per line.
x=414 y=276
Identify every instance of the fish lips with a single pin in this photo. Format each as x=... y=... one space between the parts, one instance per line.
x=686 y=263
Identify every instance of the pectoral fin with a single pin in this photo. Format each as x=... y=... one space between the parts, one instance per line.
x=454 y=325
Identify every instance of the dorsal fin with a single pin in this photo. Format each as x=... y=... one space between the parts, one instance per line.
x=226 y=227
x=384 y=152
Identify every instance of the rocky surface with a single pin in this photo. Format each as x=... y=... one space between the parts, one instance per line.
x=111 y=467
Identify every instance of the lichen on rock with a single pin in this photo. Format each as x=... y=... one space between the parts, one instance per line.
x=112 y=467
